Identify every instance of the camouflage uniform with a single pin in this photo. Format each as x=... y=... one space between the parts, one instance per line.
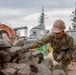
x=64 y=48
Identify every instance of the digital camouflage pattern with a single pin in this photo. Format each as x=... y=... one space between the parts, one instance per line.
x=66 y=43
x=63 y=50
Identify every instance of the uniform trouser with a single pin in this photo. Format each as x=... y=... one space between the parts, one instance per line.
x=64 y=66
x=64 y=61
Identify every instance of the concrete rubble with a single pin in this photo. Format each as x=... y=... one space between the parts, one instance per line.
x=15 y=61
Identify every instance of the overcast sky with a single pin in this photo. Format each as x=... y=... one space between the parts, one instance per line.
x=26 y=12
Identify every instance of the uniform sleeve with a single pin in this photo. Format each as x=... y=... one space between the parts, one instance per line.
x=44 y=40
x=71 y=45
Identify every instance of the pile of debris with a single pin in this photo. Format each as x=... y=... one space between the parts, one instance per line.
x=14 y=60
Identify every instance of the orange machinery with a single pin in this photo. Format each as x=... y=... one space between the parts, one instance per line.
x=5 y=29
